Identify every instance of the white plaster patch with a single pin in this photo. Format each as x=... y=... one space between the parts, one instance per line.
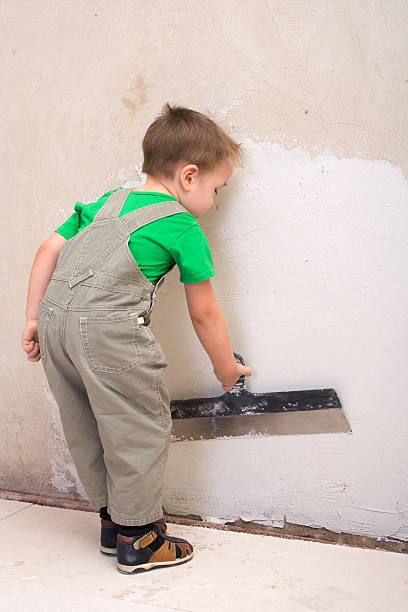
x=214 y=519
x=220 y=112
x=310 y=257
x=132 y=177
x=262 y=519
x=65 y=475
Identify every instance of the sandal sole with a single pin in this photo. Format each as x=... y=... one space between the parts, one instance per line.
x=108 y=551
x=131 y=569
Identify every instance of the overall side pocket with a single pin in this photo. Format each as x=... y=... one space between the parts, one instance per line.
x=44 y=317
x=159 y=355
x=111 y=344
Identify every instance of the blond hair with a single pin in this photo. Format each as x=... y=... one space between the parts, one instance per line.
x=180 y=134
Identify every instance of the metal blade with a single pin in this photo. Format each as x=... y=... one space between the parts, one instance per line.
x=331 y=420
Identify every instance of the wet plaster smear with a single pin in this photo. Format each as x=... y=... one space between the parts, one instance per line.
x=312 y=281
x=308 y=239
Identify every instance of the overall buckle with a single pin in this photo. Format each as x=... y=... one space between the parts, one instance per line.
x=142 y=318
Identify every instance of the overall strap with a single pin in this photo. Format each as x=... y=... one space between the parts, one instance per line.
x=110 y=210
x=142 y=216
x=113 y=205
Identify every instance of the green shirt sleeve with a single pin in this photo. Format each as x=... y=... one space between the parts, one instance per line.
x=71 y=226
x=192 y=255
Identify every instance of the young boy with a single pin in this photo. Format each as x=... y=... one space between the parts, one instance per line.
x=91 y=291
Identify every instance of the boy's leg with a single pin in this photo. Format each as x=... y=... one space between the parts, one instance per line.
x=132 y=411
x=104 y=514
x=134 y=422
x=78 y=421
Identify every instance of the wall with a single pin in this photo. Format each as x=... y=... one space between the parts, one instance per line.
x=309 y=239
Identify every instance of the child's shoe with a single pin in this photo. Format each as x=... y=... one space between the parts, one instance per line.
x=150 y=550
x=109 y=532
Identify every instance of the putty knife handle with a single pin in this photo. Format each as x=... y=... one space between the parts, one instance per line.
x=239 y=358
x=240 y=384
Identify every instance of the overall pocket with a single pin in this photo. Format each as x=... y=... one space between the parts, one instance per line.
x=159 y=355
x=111 y=344
x=44 y=316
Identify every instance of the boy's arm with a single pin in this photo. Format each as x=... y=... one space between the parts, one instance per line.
x=41 y=272
x=211 y=329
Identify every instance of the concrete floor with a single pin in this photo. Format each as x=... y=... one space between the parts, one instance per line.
x=50 y=560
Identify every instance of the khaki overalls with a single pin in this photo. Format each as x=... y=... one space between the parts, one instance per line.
x=105 y=367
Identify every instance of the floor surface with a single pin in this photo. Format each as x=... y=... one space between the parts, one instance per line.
x=50 y=560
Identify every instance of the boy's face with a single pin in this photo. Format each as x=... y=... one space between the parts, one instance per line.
x=197 y=189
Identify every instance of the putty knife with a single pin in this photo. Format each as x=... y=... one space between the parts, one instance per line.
x=239 y=413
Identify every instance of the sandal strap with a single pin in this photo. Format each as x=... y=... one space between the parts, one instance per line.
x=161 y=525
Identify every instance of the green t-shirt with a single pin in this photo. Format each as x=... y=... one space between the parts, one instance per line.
x=158 y=245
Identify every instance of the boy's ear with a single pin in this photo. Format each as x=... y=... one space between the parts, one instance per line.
x=188 y=174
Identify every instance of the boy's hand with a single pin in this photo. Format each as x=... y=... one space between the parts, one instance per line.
x=30 y=341
x=228 y=380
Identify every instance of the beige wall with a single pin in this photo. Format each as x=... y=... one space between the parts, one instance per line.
x=310 y=237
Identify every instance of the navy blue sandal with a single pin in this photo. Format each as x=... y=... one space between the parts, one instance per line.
x=153 y=549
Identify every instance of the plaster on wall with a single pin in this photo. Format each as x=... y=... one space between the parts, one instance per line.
x=310 y=258
x=64 y=474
